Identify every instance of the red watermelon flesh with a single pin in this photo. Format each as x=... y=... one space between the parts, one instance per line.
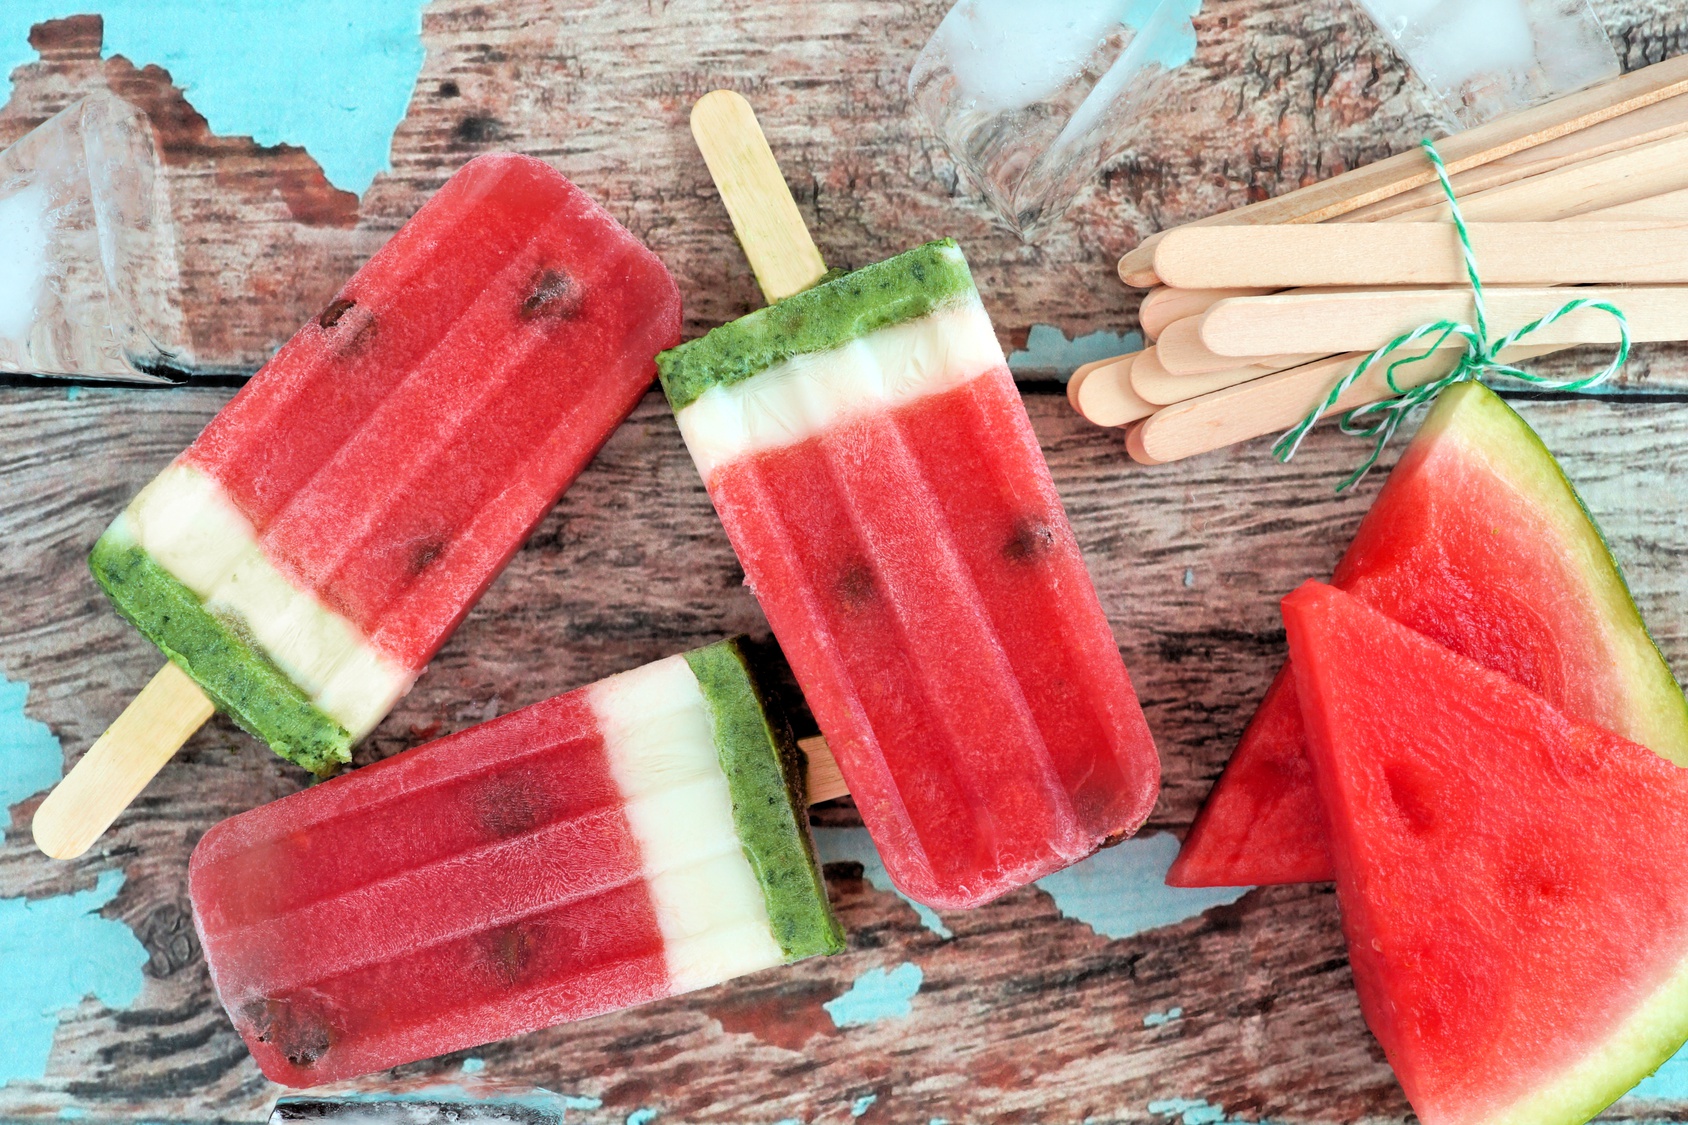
x=1478 y=541
x=1513 y=883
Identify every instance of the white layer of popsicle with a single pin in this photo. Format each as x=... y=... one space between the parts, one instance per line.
x=659 y=738
x=189 y=526
x=798 y=398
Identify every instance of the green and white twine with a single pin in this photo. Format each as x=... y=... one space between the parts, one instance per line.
x=1380 y=420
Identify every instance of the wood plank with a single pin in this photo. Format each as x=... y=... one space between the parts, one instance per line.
x=1024 y=1013
x=632 y=566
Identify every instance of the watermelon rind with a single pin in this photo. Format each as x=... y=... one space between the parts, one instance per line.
x=1654 y=1028
x=1493 y=432
x=1259 y=824
x=1644 y=1042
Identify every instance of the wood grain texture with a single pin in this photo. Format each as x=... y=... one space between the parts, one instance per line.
x=1024 y=1014
x=1281 y=94
x=633 y=566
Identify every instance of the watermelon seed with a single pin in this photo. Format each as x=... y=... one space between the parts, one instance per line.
x=1407 y=792
x=554 y=295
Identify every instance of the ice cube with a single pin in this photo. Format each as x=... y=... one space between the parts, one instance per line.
x=23 y=262
x=1484 y=58
x=1032 y=101
x=89 y=284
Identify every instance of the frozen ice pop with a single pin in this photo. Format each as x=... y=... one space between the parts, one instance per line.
x=631 y=840
x=305 y=557
x=876 y=472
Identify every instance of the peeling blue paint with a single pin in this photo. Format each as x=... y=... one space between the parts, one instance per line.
x=862 y=1104
x=1117 y=892
x=33 y=758
x=1177 y=44
x=854 y=845
x=473 y=1066
x=1190 y=1111
x=1050 y=354
x=641 y=1117
x=330 y=77
x=1161 y=1019
x=876 y=995
x=1122 y=891
x=60 y=951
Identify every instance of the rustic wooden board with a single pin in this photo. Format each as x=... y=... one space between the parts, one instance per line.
x=1282 y=93
x=1023 y=1011
x=1024 y=1014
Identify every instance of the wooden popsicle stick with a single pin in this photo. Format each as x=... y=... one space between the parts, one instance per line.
x=1650 y=123
x=1075 y=383
x=1165 y=305
x=825 y=782
x=1342 y=322
x=1605 y=181
x=120 y=763
x=1139 y=273
x=1277 y=402
x=1183 y=351
x=1470 y=149
x=1107 y=398
x=1671 y=207
x=770 y=228
x=1134 y=444
x=1564 y=253
x=1155 y=384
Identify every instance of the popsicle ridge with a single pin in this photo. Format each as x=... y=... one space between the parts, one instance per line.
x=634 y=839
x=871 y=461
x=308 y=554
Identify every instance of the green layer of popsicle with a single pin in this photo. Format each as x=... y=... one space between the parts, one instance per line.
x=899 y=289
x=765 y=774
x=239 y=679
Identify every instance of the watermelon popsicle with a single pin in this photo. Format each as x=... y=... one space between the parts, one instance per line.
x=876 y=472
x=308 y=554
x=635 y=839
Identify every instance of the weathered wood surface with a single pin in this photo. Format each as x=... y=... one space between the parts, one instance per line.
x=1282 y=93
x=1024 y=1014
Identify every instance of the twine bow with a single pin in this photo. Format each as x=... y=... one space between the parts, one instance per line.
x=1380 y=420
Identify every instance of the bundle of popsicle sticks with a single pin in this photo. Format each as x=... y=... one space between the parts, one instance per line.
x=1255 y=314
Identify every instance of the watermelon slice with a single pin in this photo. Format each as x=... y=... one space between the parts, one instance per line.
x=1478 y=541
x=1513 y=883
